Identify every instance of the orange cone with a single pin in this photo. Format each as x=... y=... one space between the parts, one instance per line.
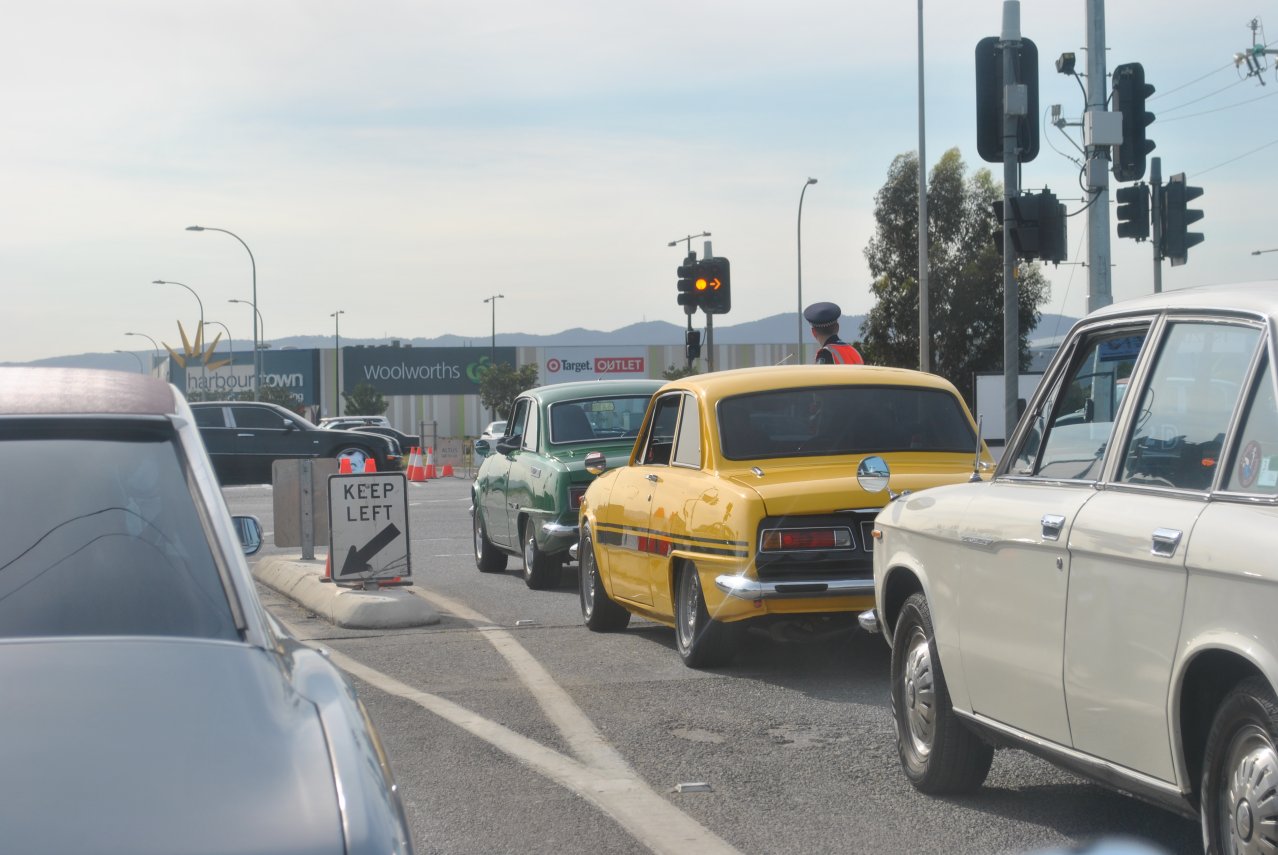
x=370 y=465
x=344 y=466
x=328 y=566
x=430 y=463
x=447 y=471
x=415 y=470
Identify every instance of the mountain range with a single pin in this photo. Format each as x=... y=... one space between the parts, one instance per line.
x=776 y=329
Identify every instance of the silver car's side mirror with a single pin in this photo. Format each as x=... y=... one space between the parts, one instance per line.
x=249 y=531
x=872 y=474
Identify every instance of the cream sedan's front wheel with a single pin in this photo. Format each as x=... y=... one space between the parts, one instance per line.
x=938 y=752
x=1239 y=795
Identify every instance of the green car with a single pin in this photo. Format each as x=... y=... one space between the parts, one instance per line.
x=526 y=497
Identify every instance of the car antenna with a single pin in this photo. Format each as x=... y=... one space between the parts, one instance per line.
x=788 y=357
x=976 y=461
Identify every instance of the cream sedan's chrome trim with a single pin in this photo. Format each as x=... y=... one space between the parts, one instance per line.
x=1102 y=769
x=752 y=589
x=869 y=621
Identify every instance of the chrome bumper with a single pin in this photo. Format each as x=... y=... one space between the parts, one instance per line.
x=572 y=551
x=869 y=621
x=552 y=529
x=752 y=589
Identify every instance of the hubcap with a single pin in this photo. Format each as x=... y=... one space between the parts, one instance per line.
x=918 y=694
x=356 y=457
x=1249 y=800
x=530 y=552
x=479 y=537
x=689 y=601
x=587 y=578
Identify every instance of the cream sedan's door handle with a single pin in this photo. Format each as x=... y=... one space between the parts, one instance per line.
x=1165 y=541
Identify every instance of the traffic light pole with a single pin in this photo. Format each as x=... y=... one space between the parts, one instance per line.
x=706 y=252
x=1156 y=218
x=1099 y=292
x=1011 y=39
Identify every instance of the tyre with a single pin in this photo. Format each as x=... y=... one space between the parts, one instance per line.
x=702 y=642
x=541 y=571
x=938 y=751
x=1240 y=772
x=597 y=608
x=356 y=455
x=488 y=558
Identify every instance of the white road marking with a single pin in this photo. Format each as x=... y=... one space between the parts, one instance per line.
x=600 y=774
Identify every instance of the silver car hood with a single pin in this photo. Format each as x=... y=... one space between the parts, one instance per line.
x=141 y=745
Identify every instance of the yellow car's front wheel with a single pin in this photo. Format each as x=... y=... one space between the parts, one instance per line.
x=597 y=608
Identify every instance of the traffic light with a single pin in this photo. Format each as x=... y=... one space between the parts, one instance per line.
x=1176 y=219
x=714 y=285
x=1133 y=212
x=1052 y=230
x=1128 y=98
x=692 y=344
x=689 y=272
x=1037 y=226
x=990 y=100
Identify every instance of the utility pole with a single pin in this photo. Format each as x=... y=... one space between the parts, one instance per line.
x=1010 y=41
x=1099 y=292
x=1156 y=218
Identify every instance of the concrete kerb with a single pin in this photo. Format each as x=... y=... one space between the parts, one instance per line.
x=388 y=608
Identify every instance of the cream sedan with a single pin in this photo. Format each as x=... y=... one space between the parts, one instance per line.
x=1109 y=600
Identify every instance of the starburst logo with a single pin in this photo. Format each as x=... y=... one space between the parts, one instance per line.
x=195 y=352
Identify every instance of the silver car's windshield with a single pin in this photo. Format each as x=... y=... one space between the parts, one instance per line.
x=100 y=536
x=842 y=420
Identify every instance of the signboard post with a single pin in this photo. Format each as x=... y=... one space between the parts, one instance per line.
x=368 y=523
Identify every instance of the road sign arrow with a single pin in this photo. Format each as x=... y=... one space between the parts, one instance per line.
x=357 y=559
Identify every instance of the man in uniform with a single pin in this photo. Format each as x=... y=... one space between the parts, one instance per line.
x=824 y=318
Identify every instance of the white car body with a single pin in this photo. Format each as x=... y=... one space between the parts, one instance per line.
x=1098 y=600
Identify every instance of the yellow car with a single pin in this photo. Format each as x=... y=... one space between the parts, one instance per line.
x=752 y=493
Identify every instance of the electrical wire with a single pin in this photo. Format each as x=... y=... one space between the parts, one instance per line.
x=1232 y=159
x=1192 y=82
x=1218 y=109
x=1068 y=283
x=1167 y=110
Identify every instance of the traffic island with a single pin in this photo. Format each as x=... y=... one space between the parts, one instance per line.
x=302 y=582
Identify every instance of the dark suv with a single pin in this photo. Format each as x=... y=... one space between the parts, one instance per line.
x=244 y=438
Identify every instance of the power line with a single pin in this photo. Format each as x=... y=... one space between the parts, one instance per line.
x=1232 y=159
x=1166 y=110
x=1192 y=82
x=1218 y=109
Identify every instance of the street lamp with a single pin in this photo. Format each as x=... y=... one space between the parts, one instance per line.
x=230 y=343
x=199 y=338
x=1262 y=251
x=337 y=361
x=258 y=323
x=493 y=299
x=806 y=184
x=257 y=359
x=141 y=370
x=154 y=346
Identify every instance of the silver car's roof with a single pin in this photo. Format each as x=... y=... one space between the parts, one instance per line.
x=82 y=391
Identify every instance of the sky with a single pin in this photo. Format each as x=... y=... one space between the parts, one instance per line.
x=402 y=161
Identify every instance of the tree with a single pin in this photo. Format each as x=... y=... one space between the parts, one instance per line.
x=502 y=384
x=675 y=372
x=965 y=274
x=279 y=395
x=364 y=400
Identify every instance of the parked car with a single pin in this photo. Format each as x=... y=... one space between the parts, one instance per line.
x=494 y=429
x=526 y=493
x=349 y=422
x=406 y=441
x=245 y=437
x=144 y=683
x=1108 y=599
x=750 y=494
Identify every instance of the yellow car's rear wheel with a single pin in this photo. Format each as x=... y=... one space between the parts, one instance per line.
x=702 y=641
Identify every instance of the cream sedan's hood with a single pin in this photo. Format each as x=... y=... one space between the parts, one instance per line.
x=793 y=487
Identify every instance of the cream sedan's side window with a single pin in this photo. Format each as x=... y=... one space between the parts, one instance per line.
x=1183 y=413
x=1073 y=427
x=1255 y=465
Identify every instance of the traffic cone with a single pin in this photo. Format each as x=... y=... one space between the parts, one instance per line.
x=430 y=463
x=415 y=470
x=370 y=465
x=447 y=471
x=344 y=466
x=328 y=566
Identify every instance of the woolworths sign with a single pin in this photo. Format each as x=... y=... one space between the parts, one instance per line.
x=294 y=370
x=420 y=370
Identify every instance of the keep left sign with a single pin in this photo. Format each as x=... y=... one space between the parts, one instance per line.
x=368 y=526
